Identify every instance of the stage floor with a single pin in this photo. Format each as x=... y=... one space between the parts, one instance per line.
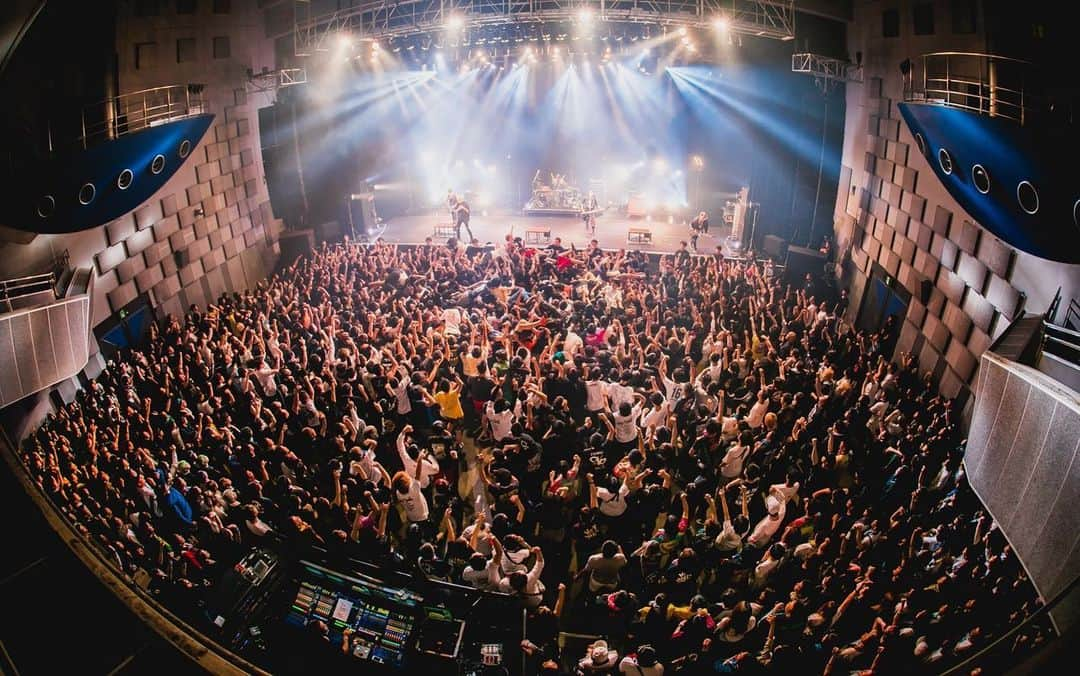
x=611 y=230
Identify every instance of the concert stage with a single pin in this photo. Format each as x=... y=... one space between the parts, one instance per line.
x=611 y=230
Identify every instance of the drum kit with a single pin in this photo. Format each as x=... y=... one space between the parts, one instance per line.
x=558 y=195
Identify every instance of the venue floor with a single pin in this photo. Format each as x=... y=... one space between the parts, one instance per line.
x=611 y=230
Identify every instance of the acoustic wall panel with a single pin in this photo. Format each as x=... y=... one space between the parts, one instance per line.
x=1023 y=461
x=42 y=346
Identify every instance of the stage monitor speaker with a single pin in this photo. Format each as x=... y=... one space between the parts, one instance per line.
x=773 y=246
x=801 y=260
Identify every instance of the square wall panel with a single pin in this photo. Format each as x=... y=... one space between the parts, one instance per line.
x=972 y=271
x=966 y=236
x=996 y=255
x=979 y=309
x=941 y=221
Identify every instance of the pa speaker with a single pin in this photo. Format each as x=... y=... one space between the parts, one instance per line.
x=294 y=244
x=801 y=260
x=281 y=165
x=773 y=246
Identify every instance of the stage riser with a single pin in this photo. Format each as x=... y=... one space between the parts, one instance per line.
x=551 y=212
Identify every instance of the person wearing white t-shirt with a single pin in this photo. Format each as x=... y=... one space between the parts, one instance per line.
x=758 y=411
x=624 y=420
x=603 y=568
x=572 y=344
x=482 y=572
x=408 y=494
x=656 y=417
x=769 y=524
x=265 y=375
x=594 y=393
x=618 y=394
x=731 y=467
x=526 y=586
x=612 y=502
x=452 y=321
x=424 y=467
x=500 y=417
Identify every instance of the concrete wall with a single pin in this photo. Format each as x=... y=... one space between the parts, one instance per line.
x=231 y=245
x=896 y=213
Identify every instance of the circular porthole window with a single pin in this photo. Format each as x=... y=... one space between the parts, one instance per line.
x=1028 y=197
x=1076 y=213
x=185 y=148
x=944 y=160
x=158 y=165
x=921 y=142
x=47 y=205
x=981 y=178
x=125 y=179
x=87 y=193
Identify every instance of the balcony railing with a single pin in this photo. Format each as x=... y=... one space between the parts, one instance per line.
x=21 y=291
x=981 y=83
x=132 y=112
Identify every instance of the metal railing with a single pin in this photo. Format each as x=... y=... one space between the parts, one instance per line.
x=19 y=288
x=134 y=111
x=982 y=83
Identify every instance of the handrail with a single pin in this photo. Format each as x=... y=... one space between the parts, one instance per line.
x=983 y=83
x=23 y=287
x=1072 y=311
x=984 y=55
x=134 y=111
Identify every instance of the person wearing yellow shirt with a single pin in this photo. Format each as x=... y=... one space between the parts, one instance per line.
x=448 y=397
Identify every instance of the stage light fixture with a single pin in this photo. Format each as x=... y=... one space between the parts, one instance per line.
x=721 y=23
x=697 y=162
x=344 y=40
x=682 y=30
x=585 y=15
x=454 y=22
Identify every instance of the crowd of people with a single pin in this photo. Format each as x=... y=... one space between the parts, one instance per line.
x=685 y=455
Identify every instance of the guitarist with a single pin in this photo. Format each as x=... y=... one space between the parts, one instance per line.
x=590 y=208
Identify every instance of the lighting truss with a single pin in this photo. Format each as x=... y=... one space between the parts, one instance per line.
x=272 y=80
x=380 y=19
x=826 y=67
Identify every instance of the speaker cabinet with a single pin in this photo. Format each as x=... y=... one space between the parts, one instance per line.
x=774 y=247
x=294 y=244
x=277 y=138
x=801 y=260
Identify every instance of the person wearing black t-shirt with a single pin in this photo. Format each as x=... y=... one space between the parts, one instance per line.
x=461 y=218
